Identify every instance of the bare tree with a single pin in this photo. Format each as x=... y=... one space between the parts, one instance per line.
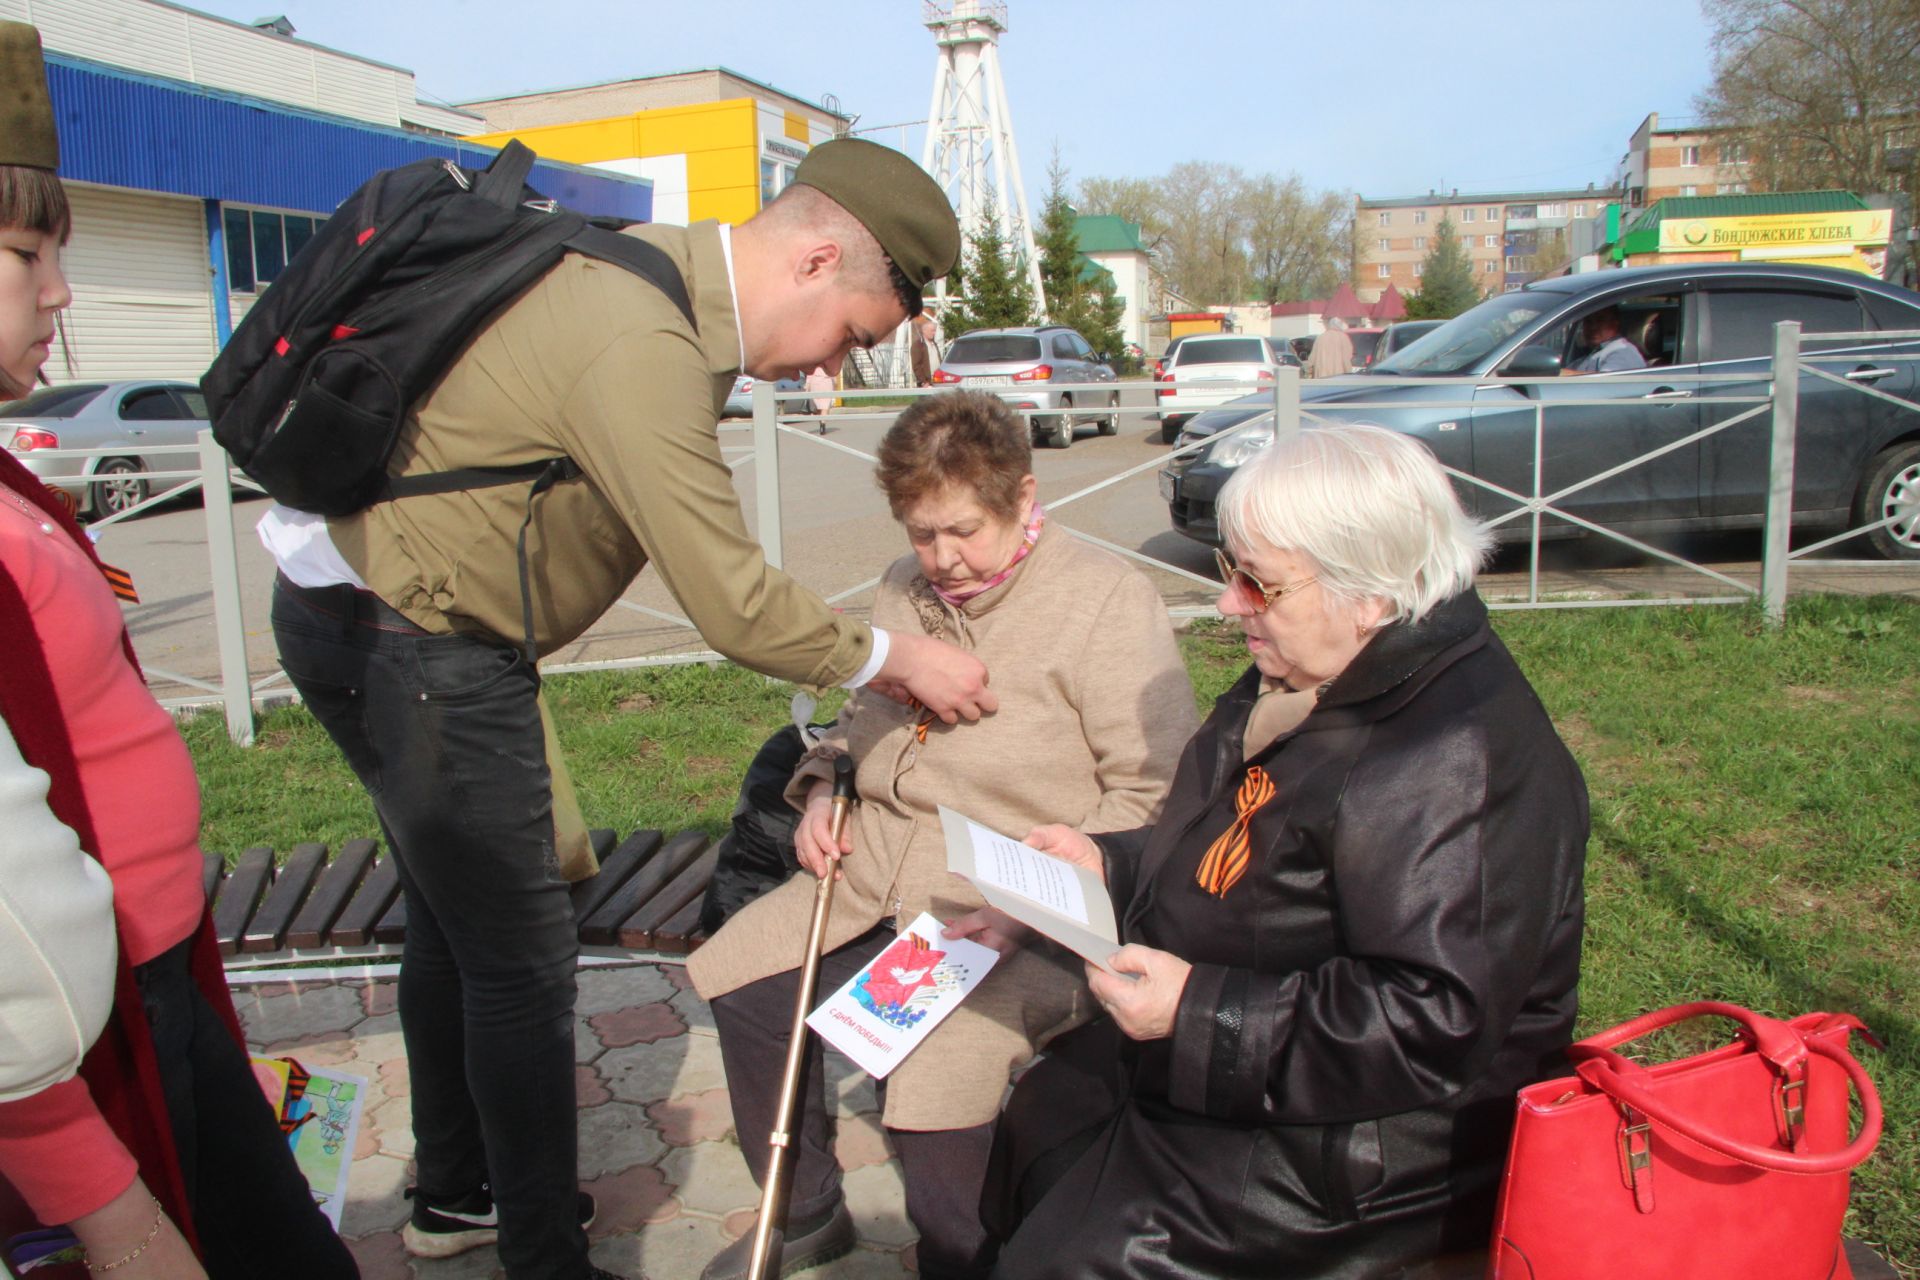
x=1298 y=241
x=1818 y=92
x=1219 y=235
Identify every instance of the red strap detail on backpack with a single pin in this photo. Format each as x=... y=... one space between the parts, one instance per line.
x=342 y=331
x=281 y=347
x=365 y=236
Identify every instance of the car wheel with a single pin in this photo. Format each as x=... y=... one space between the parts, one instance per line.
x=1170 y=429
x=1060 y=426
x=1892 y=488
x=118 y=487
x=1110 y=424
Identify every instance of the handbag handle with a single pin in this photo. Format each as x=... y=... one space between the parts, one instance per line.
x=1780 y=1043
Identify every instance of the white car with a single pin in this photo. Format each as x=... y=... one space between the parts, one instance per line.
x=1213 y=368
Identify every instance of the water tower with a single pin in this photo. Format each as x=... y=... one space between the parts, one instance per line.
x=970 y=149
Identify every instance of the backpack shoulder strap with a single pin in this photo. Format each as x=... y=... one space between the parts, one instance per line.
x=647 y=261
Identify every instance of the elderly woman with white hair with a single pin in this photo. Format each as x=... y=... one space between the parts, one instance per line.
x=1353 y=933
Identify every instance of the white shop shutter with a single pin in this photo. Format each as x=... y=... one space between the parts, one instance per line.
x=142 y=299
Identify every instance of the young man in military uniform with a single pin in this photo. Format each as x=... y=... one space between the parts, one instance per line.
x=402 y=627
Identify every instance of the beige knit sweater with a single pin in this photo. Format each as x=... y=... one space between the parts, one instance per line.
x=1095 y=708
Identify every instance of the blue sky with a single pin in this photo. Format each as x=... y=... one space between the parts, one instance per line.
x=1384 y=97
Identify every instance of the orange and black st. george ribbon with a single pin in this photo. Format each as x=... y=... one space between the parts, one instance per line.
x=1227 y=857
x=121 y=583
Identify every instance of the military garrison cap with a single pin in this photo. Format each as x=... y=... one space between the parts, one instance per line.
x=26 y=112
x=892 y=197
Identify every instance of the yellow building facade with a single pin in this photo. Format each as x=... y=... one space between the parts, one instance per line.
x=721 y=158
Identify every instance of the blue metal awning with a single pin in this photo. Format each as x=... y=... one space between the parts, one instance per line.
x=123 y=129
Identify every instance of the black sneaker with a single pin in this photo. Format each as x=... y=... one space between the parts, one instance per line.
x=443 y=1228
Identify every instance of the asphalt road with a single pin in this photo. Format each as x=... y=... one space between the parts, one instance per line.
x=839 y=536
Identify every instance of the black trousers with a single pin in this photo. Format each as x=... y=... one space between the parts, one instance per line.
x=251 y=1207
x=444 y=733
x=944 y=1168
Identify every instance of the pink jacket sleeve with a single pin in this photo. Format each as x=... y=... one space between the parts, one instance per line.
x=60 y=1155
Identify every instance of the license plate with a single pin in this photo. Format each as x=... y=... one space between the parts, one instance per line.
x=992 y=380
x=1169 y=487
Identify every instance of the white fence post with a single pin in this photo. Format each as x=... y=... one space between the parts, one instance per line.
x=223 y=560
x=1786 y=420
x=1286 y=402
x=766 y=457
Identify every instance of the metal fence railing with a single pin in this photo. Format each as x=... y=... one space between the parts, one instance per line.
x=754 y=451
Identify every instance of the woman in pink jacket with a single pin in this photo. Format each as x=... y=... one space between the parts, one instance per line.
x=162 y=1153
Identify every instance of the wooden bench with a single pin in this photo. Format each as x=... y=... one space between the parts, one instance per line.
x=313 y=906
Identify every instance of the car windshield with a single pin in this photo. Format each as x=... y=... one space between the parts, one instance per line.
x=993 y=348
x=1466 y=340
x=1222 y=351
x=54 y=402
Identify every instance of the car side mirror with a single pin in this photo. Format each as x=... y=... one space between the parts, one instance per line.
x=1531 y=362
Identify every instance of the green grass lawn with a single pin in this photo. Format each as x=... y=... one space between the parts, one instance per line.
x=1756 y=810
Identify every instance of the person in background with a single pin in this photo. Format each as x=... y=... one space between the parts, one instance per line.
x=1352 y=935
x=925 y=346
x=1095 y=706
x=164 y=1142
x=1609 y=351
x=1332 y=351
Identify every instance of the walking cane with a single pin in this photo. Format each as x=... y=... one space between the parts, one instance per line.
x=767 y=1242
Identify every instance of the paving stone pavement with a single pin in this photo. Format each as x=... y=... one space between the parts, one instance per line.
x=657 y=1149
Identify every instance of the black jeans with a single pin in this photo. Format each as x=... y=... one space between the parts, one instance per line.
x=251 y=1207
x=444 y=733
x=943 y=1168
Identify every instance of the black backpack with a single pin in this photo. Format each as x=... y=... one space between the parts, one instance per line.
x=310 y=393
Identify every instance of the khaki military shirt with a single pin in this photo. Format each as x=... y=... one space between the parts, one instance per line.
x=596 y=364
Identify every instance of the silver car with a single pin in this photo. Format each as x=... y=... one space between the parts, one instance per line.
x=1025 y=366
x=740 y=399
x=151 y=425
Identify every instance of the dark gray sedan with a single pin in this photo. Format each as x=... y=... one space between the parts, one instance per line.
x=150 y=426
x=1857 y=459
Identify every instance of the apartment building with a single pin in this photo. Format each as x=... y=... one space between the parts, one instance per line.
x=1681 y=158
x=1393 y=235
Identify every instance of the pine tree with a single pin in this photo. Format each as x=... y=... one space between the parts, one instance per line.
x=1077 y=297
x=1446 y=279
x=994 y=293
x=1059 y=250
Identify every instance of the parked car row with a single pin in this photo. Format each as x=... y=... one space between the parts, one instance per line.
x=1857 y=457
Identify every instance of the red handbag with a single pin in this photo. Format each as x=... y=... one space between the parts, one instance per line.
x=1731 y=1163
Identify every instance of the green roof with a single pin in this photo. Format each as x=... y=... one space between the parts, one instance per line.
x=1107 y=233
x=1643 y=236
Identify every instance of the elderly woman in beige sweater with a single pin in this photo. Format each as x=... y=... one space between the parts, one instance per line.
x=1094 y=709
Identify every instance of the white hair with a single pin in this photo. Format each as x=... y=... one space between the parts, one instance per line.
x=1372 y=510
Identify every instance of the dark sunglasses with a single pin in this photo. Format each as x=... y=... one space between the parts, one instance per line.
x=1256 y=594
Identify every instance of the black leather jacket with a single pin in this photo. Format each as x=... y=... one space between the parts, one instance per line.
x=1401 y=955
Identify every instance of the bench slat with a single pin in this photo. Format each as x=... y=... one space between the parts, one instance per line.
x=678 y=934
x=331 y=896
x=393 y=924
x=602 y=927
x=615 y=869
x=240 y=896
x=1866 y=1264
x=641 y=929
x=212 y=867
x=362 y=916
x=268 y=931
